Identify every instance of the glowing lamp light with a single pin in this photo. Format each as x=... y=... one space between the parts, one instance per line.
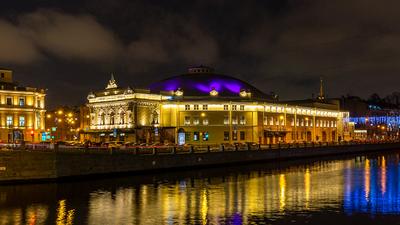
x=214 y=92
x=179 y=92
x=281 y=117
x=244 y=93
x=203 y=114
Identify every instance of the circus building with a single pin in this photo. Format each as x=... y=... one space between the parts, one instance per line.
x=202 y=107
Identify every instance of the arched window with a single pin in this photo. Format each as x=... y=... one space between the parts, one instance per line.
x=112 y=118
x=122 y=117
x=102 y=118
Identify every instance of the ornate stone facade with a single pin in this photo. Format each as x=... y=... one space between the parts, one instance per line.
x=203 y=108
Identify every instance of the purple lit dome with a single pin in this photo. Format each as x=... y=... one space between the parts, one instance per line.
x=199 y=81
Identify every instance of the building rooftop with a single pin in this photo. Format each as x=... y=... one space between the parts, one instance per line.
x=201 y=81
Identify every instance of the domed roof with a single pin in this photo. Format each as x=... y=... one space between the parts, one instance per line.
x=200 y=81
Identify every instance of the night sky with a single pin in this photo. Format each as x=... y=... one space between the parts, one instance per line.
x=71 y=47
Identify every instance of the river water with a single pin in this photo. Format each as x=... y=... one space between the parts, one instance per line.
x=361 y=189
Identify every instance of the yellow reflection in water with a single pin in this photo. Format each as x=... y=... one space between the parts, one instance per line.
x=204 y=207
x=383 y=175
x=282 y=192
x=307 y=186
x=209 y=201
x=367 y=175
x=64 y=217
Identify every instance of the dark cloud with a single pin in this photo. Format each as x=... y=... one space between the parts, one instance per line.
x=278 y=45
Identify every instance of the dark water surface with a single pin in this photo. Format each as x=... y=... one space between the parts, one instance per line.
x=361 y=189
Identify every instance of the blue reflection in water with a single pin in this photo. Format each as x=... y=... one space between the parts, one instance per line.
x=373 y=187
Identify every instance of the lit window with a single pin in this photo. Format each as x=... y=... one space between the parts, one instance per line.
x=22 y=121
x=187 y=107
x=205 y=107
x=234 y=107
x=195 y=136
x=292 y=122
x=205 y=136
x=226 y=135
x=242 y=107
x=22 y=101
x=187 y=120
x=196 y=107
x=205 y=121
x=242 y=120
x=242 y=135
x=196 y=121
x=226 y=120
x=265 y=120
x=9 y=121
x=234 y=120
x=226 y=107
x=234 y=135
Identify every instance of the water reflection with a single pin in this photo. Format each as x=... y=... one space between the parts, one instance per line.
x=242 y=195
x=378 y=190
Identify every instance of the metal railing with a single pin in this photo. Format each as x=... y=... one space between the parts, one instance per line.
x=159 y=150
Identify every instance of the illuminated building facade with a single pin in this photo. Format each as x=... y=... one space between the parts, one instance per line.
x=371 y=121
x=204 y=108
x=22 y=111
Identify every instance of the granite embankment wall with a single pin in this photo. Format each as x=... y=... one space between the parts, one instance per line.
x=37 y=164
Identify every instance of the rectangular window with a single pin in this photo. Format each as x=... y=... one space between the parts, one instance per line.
x=39 y=103
x=234 y=107
x=265 y=120
x=196 y=120
x=242 y=107
x=195 y=136
x=226 y=120
x=242 y=135
x=22 y=121
x=226 y=107
x=205 y=136
x=9 y=101
x=205 y=121
x=235 y=120
x=21 y=101
x=38 y=120
x=226 y=135
x=187 y=120
x=205 y=107
x=242 y=120
x=234 y=135
x=9 y=121
x=187 y=107
x=196 y=107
